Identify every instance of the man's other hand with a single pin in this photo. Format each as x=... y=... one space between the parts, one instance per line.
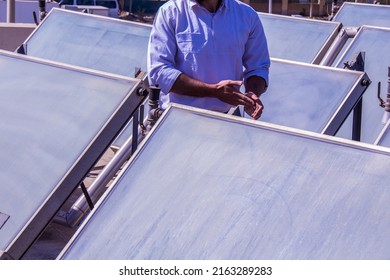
x=256 y=109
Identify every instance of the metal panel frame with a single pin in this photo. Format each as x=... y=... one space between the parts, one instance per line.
x=79 y=170
x=235 y=119
x=329 y=41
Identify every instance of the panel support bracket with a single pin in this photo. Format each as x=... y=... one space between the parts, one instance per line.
x=357 y=64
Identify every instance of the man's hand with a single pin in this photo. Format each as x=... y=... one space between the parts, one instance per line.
x=255 y=86
x=255 y=110
x=229 y=92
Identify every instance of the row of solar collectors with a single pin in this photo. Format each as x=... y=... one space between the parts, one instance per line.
x=119 y=47
x=309 y=97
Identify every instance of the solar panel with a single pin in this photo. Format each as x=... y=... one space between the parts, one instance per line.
x=310 y=97
x=375 y=43
x=308 y=40
x=96 y=42
x=55 y=123
x=358 y=14
x=211 y=186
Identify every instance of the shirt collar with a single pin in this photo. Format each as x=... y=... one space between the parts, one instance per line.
x=224 y=3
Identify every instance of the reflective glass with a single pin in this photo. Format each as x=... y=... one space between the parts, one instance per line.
x=357 y=14
x=308 y=97
x=100 y=43
x=212 y=187
x=384 y=137
x=296 y=38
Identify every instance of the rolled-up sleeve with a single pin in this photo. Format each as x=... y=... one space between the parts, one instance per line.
x=256 y=58
x=161 y=52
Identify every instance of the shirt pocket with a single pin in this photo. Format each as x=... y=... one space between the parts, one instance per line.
x=190 y=42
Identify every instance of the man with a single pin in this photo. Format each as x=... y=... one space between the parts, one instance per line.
x=201 y=52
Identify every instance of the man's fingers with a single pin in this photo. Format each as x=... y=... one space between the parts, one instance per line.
x=246 y=101
x=235 y=83
x=257 y=112
x=252 y=96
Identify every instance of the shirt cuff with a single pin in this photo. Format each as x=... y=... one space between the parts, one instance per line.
x=169 y=79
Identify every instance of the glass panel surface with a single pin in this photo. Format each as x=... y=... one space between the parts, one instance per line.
x=99 y=43
x=209 y=187
x=384 y=137
x=49 y=118
x=294 y=38
x=356 y=14
x=306 y=96
x=375 y=42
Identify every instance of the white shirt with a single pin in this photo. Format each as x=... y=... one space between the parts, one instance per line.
x=186 y=38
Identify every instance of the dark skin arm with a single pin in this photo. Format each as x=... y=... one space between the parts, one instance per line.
x=226 y=90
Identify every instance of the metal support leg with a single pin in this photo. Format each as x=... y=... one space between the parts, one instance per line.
x=134 y=142
x=357 y=121
x=86 y=194
x=357 y=64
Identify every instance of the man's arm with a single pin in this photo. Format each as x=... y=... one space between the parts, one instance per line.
x=161 y=52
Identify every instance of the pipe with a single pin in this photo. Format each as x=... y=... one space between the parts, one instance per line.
x=386 y=114
x=42 y=9
x=338 y=44
x=81 y=207
x=386 y=105
x=10 y=11
x=154 y=110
